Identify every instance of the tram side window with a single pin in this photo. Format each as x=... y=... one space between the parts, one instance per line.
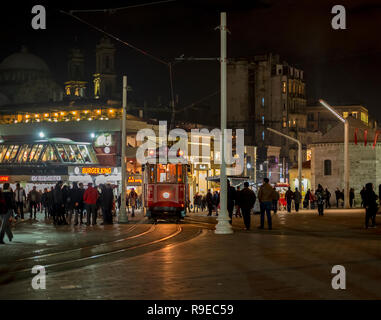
x=77 y=154
x=11 y=153
x=180 y=176
x=151 y=174
x=3 y=149
x=21 y=153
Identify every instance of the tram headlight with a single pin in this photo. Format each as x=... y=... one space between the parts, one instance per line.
x=166 y=195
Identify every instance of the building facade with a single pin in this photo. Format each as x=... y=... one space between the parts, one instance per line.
x=265 y=92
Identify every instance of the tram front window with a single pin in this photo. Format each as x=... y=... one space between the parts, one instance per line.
x=169 y=173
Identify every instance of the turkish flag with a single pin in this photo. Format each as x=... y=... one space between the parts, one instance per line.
x=365 y=136
x=356 y=130
x=375 y=139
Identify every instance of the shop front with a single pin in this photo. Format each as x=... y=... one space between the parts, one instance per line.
x=95 y=174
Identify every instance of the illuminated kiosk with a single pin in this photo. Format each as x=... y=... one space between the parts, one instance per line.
x=43 y=162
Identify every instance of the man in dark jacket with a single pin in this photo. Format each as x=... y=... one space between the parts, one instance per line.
x=338 y=196
x=59 y=205
x=232 y=196
x=7 y=207
x=247 y=200
x=297 y=199
x=289 y=196
x=209 y=201
x=370 y=205
x=327 y=198
x=106 y=199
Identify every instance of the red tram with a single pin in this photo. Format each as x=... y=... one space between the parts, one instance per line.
x=166 y=190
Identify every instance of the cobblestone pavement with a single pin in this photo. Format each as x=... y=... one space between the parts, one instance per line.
x=292 y=261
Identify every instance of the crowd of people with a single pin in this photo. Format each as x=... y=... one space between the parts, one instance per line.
x=62 y=203
x=242 y=201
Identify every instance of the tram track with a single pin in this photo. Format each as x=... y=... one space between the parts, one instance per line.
x=76 y=258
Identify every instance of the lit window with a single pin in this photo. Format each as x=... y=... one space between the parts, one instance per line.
x=263 y=135
x=263 y=101
x=284 y=87
x=308 y=154
x=345 y=115
x=263 y=119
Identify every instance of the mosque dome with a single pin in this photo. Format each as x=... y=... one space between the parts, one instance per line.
x=24 y=60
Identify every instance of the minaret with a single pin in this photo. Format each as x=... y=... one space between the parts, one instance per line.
x=105 y=76
x=76 y=86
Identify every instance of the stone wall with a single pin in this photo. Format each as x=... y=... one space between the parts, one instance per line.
x=365 y=167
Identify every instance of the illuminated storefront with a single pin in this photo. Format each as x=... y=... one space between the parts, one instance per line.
x=43 y=162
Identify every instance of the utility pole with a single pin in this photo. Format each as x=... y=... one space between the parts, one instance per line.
x=346 y=150
x=122 y=211
x=223 y=225
x=300 y=158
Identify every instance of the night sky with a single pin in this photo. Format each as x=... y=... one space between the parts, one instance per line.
x=341 y=66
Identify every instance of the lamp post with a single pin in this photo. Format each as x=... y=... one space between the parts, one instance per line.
x=300 y=158
x=122 y=211
x=223 y=225
x=346 y=150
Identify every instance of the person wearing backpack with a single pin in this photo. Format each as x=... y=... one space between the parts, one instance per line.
x=7 y=206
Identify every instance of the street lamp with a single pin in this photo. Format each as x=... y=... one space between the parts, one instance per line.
x=92 y=135
x=346 y=150
x=223 y=225
x=41 y=134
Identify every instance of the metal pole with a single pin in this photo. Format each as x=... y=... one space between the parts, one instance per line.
x=346 y=164
x=300 y=158
x=300 y=164
x=223 y=225
x=173 y=110
x=122 y=211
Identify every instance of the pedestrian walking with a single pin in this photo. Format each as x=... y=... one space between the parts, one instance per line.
x=231 y=200
x=90 y=197
x=7 y=205
x=306 y=200
x=338 y=197
x=50 y=198
x=216 y=201
x=265 y=199
x=59 y=205
x=370 y=205
x=351 y=197
x=237 y=205
x=20 y=199
x=327 y=198
x=275 y=200
x=107 y=198
x=132 y=197
x=297 y=199
x=289 y=197
x=44 y=202
x=247 y=200
x=209 y=201
x=320 y=196
x=77 y=194
x=33 y=200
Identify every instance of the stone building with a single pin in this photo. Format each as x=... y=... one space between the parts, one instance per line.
x=327 y=159
x=265 y=92
x=320 y=119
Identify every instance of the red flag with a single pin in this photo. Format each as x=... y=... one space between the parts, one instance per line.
x=365 y=136
x=375 y=139
x=356 y=130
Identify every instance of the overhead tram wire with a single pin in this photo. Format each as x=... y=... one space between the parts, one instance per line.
x=112 y=10
x=168 y=64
